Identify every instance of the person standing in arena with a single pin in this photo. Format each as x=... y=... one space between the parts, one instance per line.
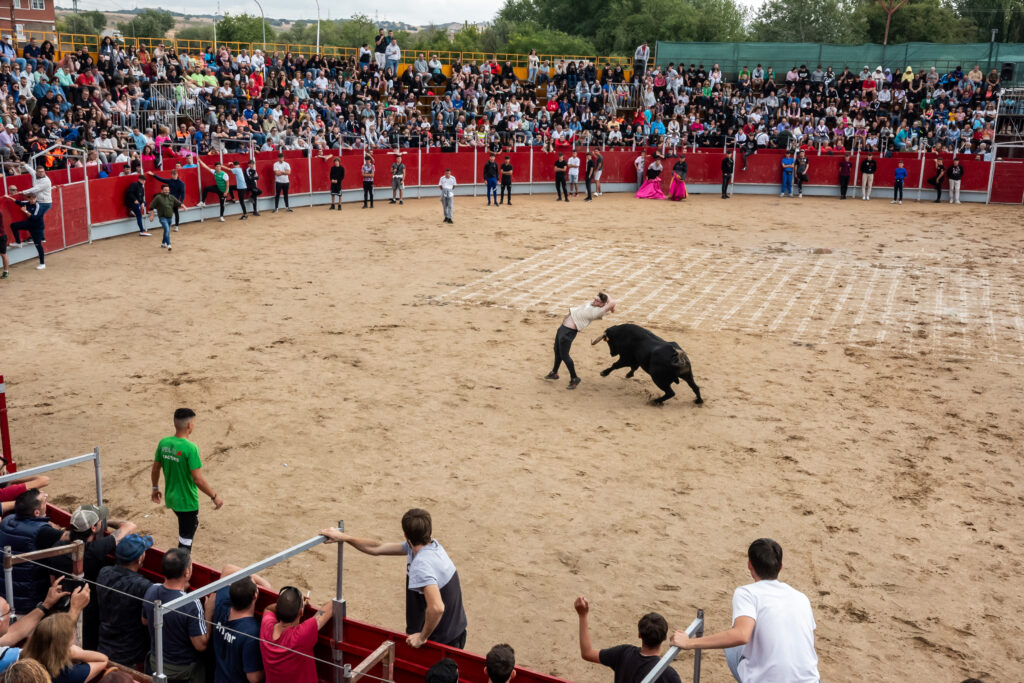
x=163 y=206
x=506 y=180
x=491 y=179
x=433 y=596
x=588 y=177
x=630 y=663
x=241 y=188
x=574 y=173
x=560 y=186
x=899 y=178
x=787 y=173
x=956 y=174
x=572 y=324
x=845 y=171
x=803 y=165
x=282 y=181
x=368 y=170
x=134 y=200
x=867 y=176
x=447 y=184
x=727 y=168
x=398 y=179
x=772 y=634
x=178 y=458
x=252 y=181
x=337 y=176
x=598 y=169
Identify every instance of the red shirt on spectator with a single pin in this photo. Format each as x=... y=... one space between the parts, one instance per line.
x=85 y=78
x=282 y=666
x=9 y=493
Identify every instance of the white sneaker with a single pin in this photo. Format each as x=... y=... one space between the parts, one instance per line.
x=893 y=201
x=950 y=201
x=201 y=204
x=175 y=228
x=41 y=266
x=221 y=219
x=143 y=234
x=957 y=201
x=782 y=194
x=801 y=195
x=168 y=247
x=901 y=201
x=163 y=246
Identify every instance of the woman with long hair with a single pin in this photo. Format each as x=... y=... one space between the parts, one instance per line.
x=52 y=645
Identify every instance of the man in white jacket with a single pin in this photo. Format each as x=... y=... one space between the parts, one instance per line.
x=572 y=324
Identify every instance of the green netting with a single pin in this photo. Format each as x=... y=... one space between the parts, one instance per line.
x=731 y=57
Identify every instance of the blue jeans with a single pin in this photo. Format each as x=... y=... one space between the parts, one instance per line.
x=492 y=188
x=136 y=210
x=393 y=65
x=165 y=223
x=787 y=182
x=43 y=208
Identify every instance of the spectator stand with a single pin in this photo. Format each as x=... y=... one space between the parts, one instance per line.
x=694 y=630
x=1008 y=149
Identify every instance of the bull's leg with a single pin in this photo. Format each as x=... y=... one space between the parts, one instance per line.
x=688 y=378
x=665 y=385
x=632 y=371
x=615 y=366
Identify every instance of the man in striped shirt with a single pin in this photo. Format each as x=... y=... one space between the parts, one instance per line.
x=185 y=635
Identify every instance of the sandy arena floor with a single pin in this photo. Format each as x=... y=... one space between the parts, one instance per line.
x=863 y=367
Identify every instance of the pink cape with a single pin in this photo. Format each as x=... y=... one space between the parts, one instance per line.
x=651 y=189
x=677 y=190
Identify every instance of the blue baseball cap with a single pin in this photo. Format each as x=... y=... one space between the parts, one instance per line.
x=132 y=547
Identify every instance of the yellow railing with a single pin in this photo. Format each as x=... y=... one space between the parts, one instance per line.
x=73 y=42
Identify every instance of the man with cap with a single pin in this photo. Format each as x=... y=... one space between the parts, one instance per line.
x=88 y=524
x=119 y=592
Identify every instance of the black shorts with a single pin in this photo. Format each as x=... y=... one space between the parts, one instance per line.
x=3 y=242
x=335 y=188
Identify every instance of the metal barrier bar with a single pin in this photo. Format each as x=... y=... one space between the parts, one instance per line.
x=5 y=432
x=75 y=549
x=339 y=611
x=695 y=628
x=41 y=469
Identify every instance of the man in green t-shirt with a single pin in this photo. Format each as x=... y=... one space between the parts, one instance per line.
x=219 y=187
x=178 y=459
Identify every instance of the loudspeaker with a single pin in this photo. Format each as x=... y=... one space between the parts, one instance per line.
x=1007 y=73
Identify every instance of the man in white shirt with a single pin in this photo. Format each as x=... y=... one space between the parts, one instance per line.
x=772 y=634
x=447 y=184
x=640 y=59
x=572 y=324
x=282 y=175
x=640 y=164
x=42 y=188
x=574 y=174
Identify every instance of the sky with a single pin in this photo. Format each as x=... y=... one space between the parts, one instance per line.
x=443 y=12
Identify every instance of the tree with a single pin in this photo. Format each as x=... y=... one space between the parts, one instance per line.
x=1007 y=16
x=360 y=29
x=547 y=41
x=890 y=7
x=808 y=21
x=716 y=21
x=918 y=21
x=149 y=23
x=242 y=28
x=200 y=32
x=90 y=23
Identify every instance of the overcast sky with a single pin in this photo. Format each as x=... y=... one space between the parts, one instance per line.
x=443 y=12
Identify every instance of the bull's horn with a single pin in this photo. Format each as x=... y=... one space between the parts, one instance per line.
x=599 y=339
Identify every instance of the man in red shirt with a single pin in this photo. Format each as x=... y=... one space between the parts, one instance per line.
x=282 y=627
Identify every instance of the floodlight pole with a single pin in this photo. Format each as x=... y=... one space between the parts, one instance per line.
x=263 y=23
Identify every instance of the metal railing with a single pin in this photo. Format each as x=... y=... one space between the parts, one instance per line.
x=76 y=549
x=93 y=457
x=694 y=630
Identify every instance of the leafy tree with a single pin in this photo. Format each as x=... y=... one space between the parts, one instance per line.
x=808 y=21
x=917 y=21
x=203 y=32
x=360 y=29
x=242 y=28
x=716 y=21
x=1005 y=15
x=90 y=23
x=149 y=23
x=547 y=41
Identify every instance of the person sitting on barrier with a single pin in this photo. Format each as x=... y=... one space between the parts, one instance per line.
x=629 y=662
x=14 y=489
x=772 y=634
x=119 y=592
x=236 y=631
x=26 y=530
x=286 y=638
x=13 y=634
x=53 y=645
x=433 y=597
x=185 y=635
x=32 y=224
x=500 y=664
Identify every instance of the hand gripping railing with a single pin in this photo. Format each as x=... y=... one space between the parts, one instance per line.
x=694 y=630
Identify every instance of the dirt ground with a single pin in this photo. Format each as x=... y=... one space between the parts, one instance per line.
x=350 y=366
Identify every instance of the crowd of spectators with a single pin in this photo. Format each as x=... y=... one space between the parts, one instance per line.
x=123 y=105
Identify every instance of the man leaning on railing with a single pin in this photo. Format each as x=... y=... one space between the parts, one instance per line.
x=772 y=634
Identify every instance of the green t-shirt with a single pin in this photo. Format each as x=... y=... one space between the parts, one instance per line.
x=221 y=178
x=179 y=457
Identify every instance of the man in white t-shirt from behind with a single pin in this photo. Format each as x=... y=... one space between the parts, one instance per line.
x=572 y=324
x=772 y=634
x=574 y=173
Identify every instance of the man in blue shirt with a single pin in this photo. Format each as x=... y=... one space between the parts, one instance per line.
x=236 y=631
x=787 y=174
x=184 y=631
x=899 y=177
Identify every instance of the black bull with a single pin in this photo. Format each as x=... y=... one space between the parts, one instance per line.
x=664 y=361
